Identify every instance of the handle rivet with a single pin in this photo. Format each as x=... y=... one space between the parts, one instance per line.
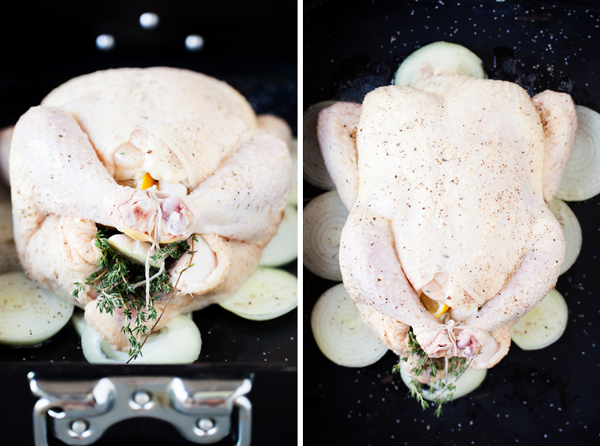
x=206 y=424
x=79 y=426
x=142 y=398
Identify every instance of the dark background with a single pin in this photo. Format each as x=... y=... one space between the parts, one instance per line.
x=545 y=397
x=252 y=46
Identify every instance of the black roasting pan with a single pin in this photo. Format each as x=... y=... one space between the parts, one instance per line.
x=252 y=46
x=545 y=397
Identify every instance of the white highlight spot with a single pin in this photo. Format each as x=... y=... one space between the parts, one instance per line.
x=149 y=20
x=194 y=42
x=105 y=42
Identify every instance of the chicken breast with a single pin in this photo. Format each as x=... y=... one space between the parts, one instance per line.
x=80 y=159
x=448 y=199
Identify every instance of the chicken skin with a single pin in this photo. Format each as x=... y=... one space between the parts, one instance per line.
x=81 y=157
x=446 y=184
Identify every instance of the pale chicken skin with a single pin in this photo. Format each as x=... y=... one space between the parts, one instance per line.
x=79 y=159
x=447 y=198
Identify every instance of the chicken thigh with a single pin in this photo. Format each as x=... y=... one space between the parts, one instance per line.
x=80 y=159
x=447 y=198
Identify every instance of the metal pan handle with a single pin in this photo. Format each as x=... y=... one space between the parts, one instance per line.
x=200 y=409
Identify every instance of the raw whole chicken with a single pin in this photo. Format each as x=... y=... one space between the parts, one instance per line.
x=447 y=185
x=80 y=159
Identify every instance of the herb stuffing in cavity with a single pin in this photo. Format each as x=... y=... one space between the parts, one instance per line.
x=123 y=285
x=451 y=368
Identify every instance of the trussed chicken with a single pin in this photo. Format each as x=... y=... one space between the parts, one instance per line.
x=446 y=185
x=82 y=157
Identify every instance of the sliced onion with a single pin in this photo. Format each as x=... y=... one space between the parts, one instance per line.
x=91 y=344
x=543 y=325
x=133 y=250
x=340 y=333
x=178 y=342
x=29 y=314
x=293 y=194
x=9 y=259
x=266 y=294
x=172 y=188
x=438 y=58
x=571 y=230
x=283 y=248
x=315 y=171
x=324 y=219
x=581 y=178
x=5 y=140
x=470 y=380
x=78 y=320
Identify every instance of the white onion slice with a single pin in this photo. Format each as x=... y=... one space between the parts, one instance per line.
x=470 y=380
x=324 y=219
x=340 y=333
x=315 y=171
x=543 y=325
x=178 y=342
x=91 y=345
x=438 y=58
x=78 y=320
x=293 y=194
x=29 y=314
x=265 y=295
x=5 y=141
x=9 y=259
x=571 y=230
x=172 y=188
x=133 y=250
x=283 y=248
x=581 y=178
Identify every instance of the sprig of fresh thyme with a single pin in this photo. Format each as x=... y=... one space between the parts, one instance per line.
x=444 y=388
x=114 y=283
x=176 y=255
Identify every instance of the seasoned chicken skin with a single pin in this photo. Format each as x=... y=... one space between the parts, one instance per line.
x=447 y=198
x=79 y=159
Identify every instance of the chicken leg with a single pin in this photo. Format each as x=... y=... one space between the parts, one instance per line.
x=237 y=201
x=559 y=118
x=66 y=177
x=336 y=129
x=530 y=282
x=373 y=275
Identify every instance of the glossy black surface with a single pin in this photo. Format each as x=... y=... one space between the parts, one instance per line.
x=545 y=397
x=252 y=46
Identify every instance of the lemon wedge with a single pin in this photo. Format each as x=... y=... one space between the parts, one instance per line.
x=137 y=235
x=147 y=181
x=433 y=306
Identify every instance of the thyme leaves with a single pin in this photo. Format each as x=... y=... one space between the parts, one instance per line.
x=117 y=285
x=443 y=389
